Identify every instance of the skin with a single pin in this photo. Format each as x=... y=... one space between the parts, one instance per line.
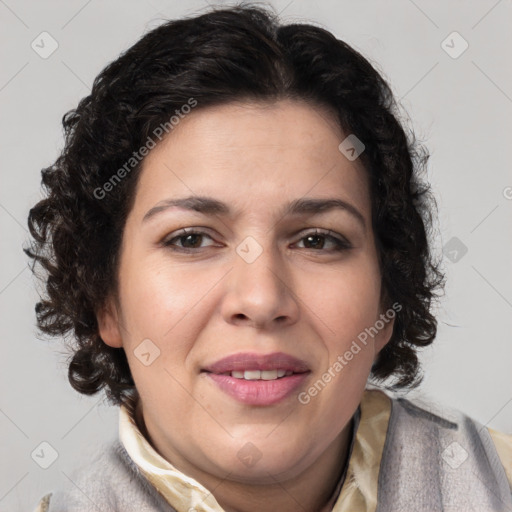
x=299 y=296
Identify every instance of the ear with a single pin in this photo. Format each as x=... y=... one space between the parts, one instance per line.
x=387 y=317
x=108 y=324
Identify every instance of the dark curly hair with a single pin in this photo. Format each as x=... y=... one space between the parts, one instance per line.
x=223 y=55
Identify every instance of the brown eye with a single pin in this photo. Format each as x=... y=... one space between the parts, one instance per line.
x=188 y=240
x=317 y=240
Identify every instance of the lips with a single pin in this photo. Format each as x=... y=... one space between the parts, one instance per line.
x=246 y=361
x=256 y=379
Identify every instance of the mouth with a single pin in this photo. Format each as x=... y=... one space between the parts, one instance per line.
x=259 y=374
x=249 y=363
x=256 y=379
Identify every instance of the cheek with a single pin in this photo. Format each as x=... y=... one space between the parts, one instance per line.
x=160 y=296
x=346 y=300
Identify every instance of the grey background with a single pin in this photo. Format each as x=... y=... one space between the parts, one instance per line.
x=461 y=107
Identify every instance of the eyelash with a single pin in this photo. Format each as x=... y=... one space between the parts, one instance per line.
x=341 y=244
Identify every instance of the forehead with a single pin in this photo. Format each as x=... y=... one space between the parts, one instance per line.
x=250 y=154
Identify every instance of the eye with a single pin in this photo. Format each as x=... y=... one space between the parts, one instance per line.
x=189 y=239
x=316 y=240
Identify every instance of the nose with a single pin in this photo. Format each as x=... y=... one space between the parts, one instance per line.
x=259 y=292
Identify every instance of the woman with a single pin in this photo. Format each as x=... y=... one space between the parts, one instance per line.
x=236 y=234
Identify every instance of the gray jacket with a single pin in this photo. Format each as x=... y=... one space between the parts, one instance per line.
x=429 y=464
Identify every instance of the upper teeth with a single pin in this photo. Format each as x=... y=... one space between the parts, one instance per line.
x=260 y=374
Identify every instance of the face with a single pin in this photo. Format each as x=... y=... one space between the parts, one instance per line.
x=259 y=285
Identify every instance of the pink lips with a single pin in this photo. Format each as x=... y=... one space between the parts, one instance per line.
x=251 y=361
x=258 y=392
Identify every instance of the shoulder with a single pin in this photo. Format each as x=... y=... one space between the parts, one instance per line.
x=108 y=481
x=89 y=481
x=440 y=451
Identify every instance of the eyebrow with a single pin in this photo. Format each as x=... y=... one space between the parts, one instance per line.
x=211 y=206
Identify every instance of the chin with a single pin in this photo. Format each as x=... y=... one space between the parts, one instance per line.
x=264 y=473
x=262 y=461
